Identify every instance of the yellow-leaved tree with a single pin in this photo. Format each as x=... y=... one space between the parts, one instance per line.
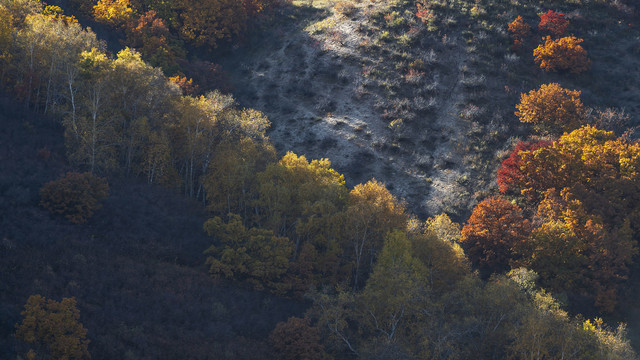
x=552 y=107
x=52 y=329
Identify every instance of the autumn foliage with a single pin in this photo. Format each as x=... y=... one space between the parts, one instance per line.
x=297 y=339
x=553 y=23
x=209 y=23
x=495 y=228
x=113 y=12
x=509 y=174
x=551 y=107
x=585 y=186
x=519 y=30
x=52 y=329
x=74 y=195
x=150 y=35
x=564 y=54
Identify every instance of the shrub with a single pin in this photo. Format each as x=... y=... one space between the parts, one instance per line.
x=74 y=195
x=345 y=8
x=552 y=106
x=425 y=14
x=562 y=54
x=553 y=23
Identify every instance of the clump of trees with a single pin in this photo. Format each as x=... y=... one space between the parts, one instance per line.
x=585 y=188
x=555 y=53
x=75 y=196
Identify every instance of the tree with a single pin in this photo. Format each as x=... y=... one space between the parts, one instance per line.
x=371 y=213
x=393 y=291
x=520 y=31
x=246 y=254
x=150 y=35
x=605 y=249
x=52 y=329
x=606 y=168
x=564 y=54
x=553 y=23
x=297 y=339
x=547 y=332
x=114 y=13
x=74 y=195
x=6 y=41
x=231 y=182
x=291 y=189
x=435 y=246
x=557 y=255
x=91 y=135
x=612 y=344
x=495 y=227
x=510 y=176
x=552 y=107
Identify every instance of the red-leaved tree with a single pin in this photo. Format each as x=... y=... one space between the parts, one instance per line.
x=553 y=23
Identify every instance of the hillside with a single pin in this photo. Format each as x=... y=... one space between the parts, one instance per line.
x=319 y=179
x=136 y=268
x=333 y=85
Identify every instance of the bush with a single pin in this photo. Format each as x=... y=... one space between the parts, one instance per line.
x=74 y=195
x=345 y=8
x=562 y=54
x=553 y=107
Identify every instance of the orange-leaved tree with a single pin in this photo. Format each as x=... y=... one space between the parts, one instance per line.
x=53 y=330
x=74 y=195
x=552 y=107
x=564 y=54
x=520 y=30
x=495 y=228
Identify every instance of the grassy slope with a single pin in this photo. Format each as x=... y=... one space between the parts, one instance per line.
x=136 y=268
x=332 y=84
